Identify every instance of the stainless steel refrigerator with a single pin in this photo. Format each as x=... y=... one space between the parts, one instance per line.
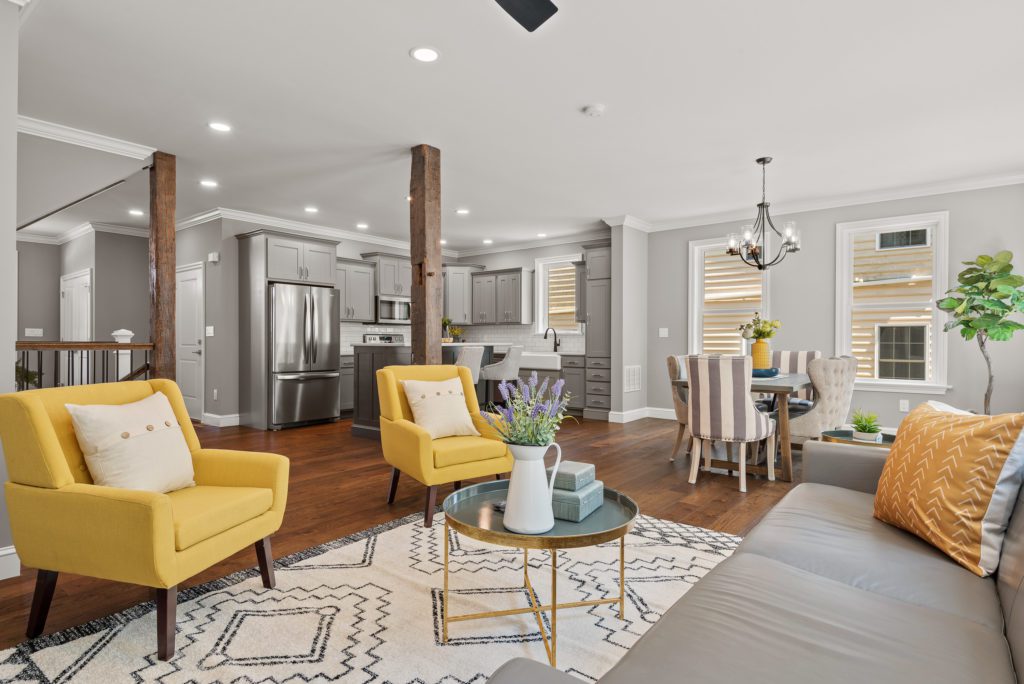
x=305 y=354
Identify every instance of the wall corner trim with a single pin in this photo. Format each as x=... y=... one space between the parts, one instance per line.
x=10 y=564
x=629 y=221
x=227 y=420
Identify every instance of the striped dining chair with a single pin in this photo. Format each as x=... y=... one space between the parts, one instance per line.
x=796 y=362
x=675 y=368
x=721 y=409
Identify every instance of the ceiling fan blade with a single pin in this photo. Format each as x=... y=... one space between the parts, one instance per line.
x=529 y=13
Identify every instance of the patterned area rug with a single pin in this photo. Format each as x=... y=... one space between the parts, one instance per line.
x=366 y=608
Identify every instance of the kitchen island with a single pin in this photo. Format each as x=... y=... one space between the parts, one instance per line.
x=371 y=357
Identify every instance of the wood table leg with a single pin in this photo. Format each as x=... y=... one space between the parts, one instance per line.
x=786 y=445
x=46 y=583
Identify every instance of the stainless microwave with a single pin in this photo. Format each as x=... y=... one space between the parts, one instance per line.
x=394 y=310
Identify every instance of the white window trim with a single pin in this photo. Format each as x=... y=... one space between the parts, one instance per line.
x=696 y=287
x=939 y=239
x=541 y=293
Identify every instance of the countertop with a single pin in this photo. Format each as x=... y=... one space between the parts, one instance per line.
x=443 y=344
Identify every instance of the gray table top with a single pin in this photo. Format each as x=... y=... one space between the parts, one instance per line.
x=789 y=383
x=471 y=511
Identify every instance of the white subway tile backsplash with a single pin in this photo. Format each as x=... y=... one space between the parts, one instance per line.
x=525 y=336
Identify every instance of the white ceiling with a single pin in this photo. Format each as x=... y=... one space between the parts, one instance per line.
x=849 y=98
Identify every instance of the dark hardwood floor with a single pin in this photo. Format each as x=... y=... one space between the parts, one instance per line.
x=339 y=486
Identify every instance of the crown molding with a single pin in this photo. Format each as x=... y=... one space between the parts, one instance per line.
x=851 y=200
x=629 y=221
x=80 y=231
x=534 y=244
x=197 y=219
x=120 y=230
x=75 y=233
x=37 y=239
x=75 y=136
x=20 y=3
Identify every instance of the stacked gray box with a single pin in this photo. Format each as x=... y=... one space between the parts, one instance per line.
x=578 y=492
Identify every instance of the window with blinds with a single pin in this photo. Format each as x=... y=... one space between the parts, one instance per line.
x=556 y=294
x=887 y=288
x=728 y=294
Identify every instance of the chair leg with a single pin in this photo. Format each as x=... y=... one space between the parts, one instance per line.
x=679 y=440
x=695 y=459
x=428 y=511
x=458 y=485
x=769 y=454
x=266 y=561
x=708 y=450
x=498 y=476
x=395 y=472
x=46 y=582
x=743 y=466
x=166 y=608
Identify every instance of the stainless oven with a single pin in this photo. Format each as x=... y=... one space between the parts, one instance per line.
x=394 y=310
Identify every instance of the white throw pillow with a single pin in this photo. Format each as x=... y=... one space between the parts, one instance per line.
x=134 y=446
x=440 y=407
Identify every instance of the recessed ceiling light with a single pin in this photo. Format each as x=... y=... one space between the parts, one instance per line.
x=542 y=234
x=208 y=183
x=362 y=226
x=220 y=126
x=462 y=212
x=311 y=210
x=136 y=212
x=444 y=242
x=488 y=242
x=424 y=54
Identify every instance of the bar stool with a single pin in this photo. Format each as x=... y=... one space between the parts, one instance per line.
x=506 y=369
x=471 y=358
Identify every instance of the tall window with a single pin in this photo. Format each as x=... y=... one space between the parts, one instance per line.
x=724 y=293
x=889 y=274
x=556 y=294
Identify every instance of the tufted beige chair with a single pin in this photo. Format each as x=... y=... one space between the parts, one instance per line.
x=833 y=392
x=675 y=366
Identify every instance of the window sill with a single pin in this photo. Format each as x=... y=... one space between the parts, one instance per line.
x=900 y=387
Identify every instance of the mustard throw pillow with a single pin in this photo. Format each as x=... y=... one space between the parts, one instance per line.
x=952 y=479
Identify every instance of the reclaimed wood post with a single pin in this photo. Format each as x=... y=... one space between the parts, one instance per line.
x=425 y=248
x=162 y=201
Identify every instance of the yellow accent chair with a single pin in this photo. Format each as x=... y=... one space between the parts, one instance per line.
x=409 y=449
x=62 y=522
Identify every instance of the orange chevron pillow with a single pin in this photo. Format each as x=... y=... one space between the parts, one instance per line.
x=952 y=479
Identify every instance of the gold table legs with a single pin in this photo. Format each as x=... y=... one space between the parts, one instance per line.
x=550 y=639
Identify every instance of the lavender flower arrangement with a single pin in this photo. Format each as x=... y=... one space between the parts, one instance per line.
x=532 y=414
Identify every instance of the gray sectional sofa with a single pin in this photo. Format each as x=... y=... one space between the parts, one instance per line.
x=822 y=592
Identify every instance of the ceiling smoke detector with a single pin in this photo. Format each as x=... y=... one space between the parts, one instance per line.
x=594 y=110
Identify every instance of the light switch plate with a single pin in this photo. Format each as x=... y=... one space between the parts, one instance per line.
x=33 y=332
x=662 y=332
x=904 y=405
x=209 y=331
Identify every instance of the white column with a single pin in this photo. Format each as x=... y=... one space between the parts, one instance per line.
x=124 y=358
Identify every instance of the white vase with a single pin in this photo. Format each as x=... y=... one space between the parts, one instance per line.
x=528 y=506
x=867 y=436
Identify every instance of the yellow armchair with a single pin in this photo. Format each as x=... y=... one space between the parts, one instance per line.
x=62 y=522
x=409 y=449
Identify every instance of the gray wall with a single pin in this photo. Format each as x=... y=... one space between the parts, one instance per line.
x=802 y=293
x=629 y=312
x=39 y=290
x=121 y=286
x=8 y=212
x=78 y=254
x=220 y=300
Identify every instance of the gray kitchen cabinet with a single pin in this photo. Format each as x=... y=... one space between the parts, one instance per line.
x=405 y=277
x=576 y=386
x=305 y=260
x=581 y=291
x=355 y=284
x=599 y=318
x=458 y=293
x=599 y=263
x=348 y=383
x=485 y=303
x=394 y=274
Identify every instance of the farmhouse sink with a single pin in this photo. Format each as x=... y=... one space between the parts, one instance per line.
x=548 y=361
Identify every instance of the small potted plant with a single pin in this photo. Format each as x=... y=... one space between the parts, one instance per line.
x=760 y=330
x=446 y=335
x=865 y=427
x=527 y=423
x=455 y=333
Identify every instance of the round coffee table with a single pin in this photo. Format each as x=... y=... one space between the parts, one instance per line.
x=846 y=437
x=470 y=511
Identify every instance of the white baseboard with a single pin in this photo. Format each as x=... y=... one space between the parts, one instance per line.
x=640 y=413
x=215 y=420
x=10 y=564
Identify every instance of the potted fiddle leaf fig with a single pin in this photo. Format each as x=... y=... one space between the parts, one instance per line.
x=988 y=294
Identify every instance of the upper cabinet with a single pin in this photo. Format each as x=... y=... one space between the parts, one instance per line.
x=394 y=274
x=599 y=263
x=503 y=297
x=303 y=259
x=458 y=293
x=355 y=283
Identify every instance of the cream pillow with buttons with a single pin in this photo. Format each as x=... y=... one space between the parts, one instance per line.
x=440 y=407
x=134 y=446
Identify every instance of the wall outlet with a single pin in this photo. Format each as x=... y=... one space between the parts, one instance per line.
x=215 y=394
x=209 y=331
x=904 y=405
x=33 y=332
x=662 y=332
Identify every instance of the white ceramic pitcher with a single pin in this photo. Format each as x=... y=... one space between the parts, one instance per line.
x=528 y=506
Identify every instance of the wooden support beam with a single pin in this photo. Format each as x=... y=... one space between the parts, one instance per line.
x=162 y=202
x=425 y=246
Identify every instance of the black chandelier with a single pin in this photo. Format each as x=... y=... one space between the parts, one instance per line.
x=751 y=244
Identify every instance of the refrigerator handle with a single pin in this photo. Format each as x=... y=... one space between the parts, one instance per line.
x=305 y=328
x=315 y=341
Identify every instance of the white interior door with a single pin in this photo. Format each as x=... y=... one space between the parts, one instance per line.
x=75 y=325
x=190 y=323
